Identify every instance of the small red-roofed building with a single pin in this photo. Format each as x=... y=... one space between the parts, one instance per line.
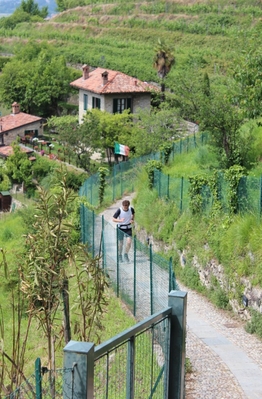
x=19 y=124
x=111 y=91
x=7 y=150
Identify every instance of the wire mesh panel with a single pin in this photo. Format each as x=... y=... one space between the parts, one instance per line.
x=52 y=383
x=121 y=178
x=143 y=281
x=137 y=367
x=49 y=385
x=249 y=195
x=90 y=189
x=25 y=391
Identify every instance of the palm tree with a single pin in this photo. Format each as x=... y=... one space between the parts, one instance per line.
x=162 y=62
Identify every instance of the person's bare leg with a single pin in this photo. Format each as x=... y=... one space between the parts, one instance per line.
x=128 y=244
x=120 y=247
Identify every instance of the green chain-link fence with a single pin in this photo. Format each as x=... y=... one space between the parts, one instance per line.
x=123 y=175
x=249 y=198
x=43 y=384
x=144 y=281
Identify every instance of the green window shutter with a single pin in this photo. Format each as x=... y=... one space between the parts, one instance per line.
x=93 y=102
x=85 y=102
x=114 y=105
x=128 y=104
x=98 y=103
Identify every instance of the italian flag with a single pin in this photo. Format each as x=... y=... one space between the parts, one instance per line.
x=121 y=149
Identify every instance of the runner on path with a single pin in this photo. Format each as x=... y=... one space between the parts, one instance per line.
x=226 y=360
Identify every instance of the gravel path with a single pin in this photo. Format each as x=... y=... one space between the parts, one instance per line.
x=211 y=377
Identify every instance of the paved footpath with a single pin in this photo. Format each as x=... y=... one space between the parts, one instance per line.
x=226 y=360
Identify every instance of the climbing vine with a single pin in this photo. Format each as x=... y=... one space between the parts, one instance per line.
x=166 y=149
x=233 y=175
x=150 y=166
x=195 y=192
x=102 y=171
x=198 y=196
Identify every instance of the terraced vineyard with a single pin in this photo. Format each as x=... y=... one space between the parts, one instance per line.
x=206 y=35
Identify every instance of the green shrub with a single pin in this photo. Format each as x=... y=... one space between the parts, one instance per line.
x=189 y=276
x=254 y=326
x=219 y=298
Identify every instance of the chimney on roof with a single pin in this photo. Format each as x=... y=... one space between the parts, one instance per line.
x=135 y=82
x=85 y=69
x=15 y=108
x=105 y=77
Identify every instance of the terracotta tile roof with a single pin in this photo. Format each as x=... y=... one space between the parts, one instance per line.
x=117 y=82
x=7 y=150
x=14 y=121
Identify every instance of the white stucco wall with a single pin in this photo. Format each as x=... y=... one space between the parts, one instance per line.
x=138 y=100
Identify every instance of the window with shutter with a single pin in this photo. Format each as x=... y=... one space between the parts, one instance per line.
x=120 y=104
x=96 y=102
x=85 y=102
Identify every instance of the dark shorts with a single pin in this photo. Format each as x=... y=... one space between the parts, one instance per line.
x=122 y=233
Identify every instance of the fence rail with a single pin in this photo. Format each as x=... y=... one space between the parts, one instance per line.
x=145 y=361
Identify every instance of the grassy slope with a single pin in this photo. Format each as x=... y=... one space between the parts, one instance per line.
x=233 y=241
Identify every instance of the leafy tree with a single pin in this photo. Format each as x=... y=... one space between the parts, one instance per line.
x=18 y=167
x=248 y=75
x=223 y=120
x=32 y=8
x=112 y=128
x=26 y=12
x=37 y=79
x=14 y=19
x=153 y=128
x=5 y=182
x=78 y=138
x=163 y=61
x=188 y=91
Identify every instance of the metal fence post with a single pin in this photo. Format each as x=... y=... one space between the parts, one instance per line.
x=170 y=283
x=114 y=182
x=260 y=196
x=135 y=275
x=38 y=379
x=159 y=183
x=151 y=278
x=121 y=179
x=181 y=194
x=117 y=262
x=93 y=234
x=178 y=301
x=130 y=380
x=79 y=357
x=103 y=243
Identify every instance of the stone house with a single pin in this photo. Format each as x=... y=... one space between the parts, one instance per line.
x=19 y=124
x=111 y=91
